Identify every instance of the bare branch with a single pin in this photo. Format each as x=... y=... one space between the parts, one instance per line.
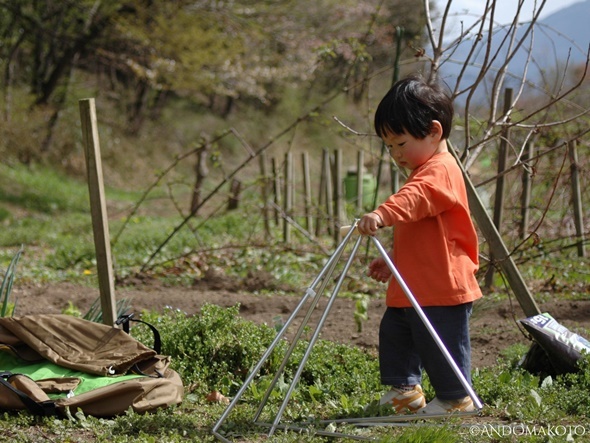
x=348 y=128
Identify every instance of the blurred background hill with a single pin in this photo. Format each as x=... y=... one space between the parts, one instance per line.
x=167 y=76
x=555 y=44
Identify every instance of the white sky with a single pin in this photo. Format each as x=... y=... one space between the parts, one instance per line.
x=504 y=13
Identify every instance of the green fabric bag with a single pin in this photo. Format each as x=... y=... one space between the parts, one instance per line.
x=81 y=382
x=50 y=364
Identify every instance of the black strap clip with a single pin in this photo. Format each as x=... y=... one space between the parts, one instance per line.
x=126 y=318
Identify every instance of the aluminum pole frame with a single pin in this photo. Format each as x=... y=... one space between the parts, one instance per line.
x=295 y=339
x=314 y=337
x=364 y=421
x=428 y=325
x=326 y=271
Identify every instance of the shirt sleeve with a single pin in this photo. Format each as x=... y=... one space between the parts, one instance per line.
x=427 y=193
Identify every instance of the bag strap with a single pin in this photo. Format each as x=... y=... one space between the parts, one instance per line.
x=126 y=318
x=43 y=408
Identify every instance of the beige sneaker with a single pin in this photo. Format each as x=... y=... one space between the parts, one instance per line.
x=401 y=400
x=438 y=406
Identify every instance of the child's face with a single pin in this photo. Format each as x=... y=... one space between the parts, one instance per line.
x=410 y=152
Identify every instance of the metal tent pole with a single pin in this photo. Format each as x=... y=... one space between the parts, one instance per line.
x=314 y=337
x=310 y=292
x=428 y=325
x=326 y=274
x=323 y=278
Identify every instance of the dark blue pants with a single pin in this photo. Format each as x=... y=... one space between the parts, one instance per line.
x=406 y=347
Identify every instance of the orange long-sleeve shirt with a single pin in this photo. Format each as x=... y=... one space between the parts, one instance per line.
x=436 y=247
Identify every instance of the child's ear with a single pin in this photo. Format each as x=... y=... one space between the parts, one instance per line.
x=436 y=129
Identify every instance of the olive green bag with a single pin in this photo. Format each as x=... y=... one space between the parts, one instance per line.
x=57 y=364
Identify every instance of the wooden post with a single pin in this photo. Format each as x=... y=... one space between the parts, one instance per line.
x=394 y=171
x=264 y=190
x=525 y=196
x=276 y=189
x=338 y=194
x=329 y=191
x=322 y=195
x=98 y=210
x=499 y=197
x=201 y=172
x=497 y=246
x=235 y=190
x=360 y=173
x=288 y=196
x=307 y=190
x=577 y=197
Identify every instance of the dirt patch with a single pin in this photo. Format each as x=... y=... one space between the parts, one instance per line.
x=493 y=325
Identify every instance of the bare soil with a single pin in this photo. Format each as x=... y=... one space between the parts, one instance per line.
x=494 y=325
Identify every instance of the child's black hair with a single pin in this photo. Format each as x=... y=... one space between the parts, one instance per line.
x=411 y=105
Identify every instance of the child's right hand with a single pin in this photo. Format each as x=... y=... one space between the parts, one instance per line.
x=378 y=270
x=369 y=224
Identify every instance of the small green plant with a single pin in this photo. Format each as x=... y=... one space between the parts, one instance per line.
x=6 y=307
x=72 y=310
x=514 y=353
x=95 y=311
x=569 y=392
x=216 y=346
x=361 y=311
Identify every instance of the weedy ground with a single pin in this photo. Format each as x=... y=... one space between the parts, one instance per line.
x=215 y=349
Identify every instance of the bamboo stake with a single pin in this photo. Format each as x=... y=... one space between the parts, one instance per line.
x=288 y=196
x=276 y=188
x=360 y=172
x=499 y=197
x=577 y=197
x=321 y=197
x=329 y=202
x=338 y=194
x=307 y=190
x=525 y=196
x=264 y=190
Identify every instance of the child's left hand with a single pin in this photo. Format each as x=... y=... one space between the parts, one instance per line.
x=378 y=270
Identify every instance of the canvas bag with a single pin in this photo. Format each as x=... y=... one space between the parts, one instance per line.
x=52 y=363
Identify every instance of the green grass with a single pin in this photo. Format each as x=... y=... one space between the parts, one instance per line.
x=41 y=190
x=49 y=214
x=214 y=350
